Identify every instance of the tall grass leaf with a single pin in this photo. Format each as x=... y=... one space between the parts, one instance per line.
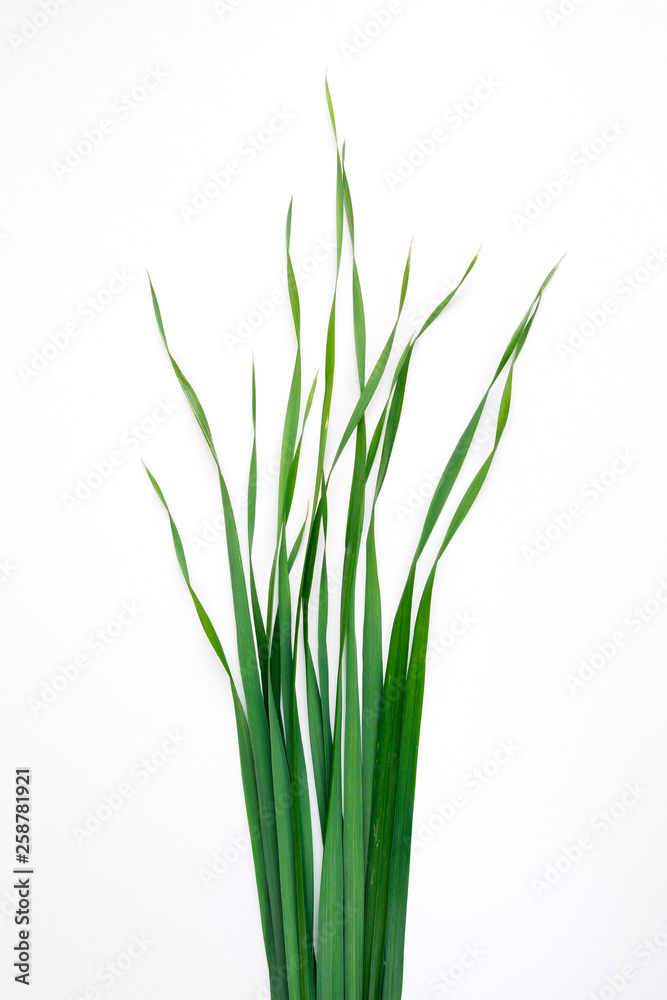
x=294 y=551
x=401 y=843
x=353 y=828
x=256 y=713
x=286 y=866
x=291 y=424
x=323 y=657
x=260 y=631
x=245 y=752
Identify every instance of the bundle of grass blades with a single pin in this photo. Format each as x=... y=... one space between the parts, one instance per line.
x=349 y=945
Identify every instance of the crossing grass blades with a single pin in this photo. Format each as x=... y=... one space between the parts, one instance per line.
x=349 y=944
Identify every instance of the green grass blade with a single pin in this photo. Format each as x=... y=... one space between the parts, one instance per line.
x=402 y=838
x=283 y=816
x=370 y=387
x=329 y=368
x=291 y=423
x=294 y=467
x=316 y=740
x=371 y=675
x=294 y=551
x=353 y=827
x=260 y=631
x=458 y=456
x=285 y=642
x=255 y=707
x=303 y=856
x=354 y=860
x=372 y=636
x=358 y=314
x=292 y=289
x=401 y=844
x=245 y=752
x=384 y=797
x=330 y=106
x=323 y=660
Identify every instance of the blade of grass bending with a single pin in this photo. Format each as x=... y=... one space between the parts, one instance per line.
x=375 y=376
x=245 y=752
x=258 y=723
x=245 y=636
x=442 y=491
x=385 y=776
x=372 y=637
x=412 y=712
x=407 y=770
x=453 y=467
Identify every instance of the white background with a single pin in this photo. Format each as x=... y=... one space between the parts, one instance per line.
x=532 y=616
